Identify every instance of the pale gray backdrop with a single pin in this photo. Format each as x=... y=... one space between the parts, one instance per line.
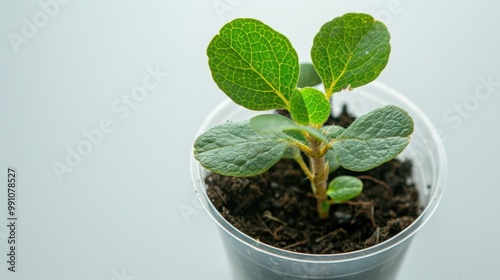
x=100 y=101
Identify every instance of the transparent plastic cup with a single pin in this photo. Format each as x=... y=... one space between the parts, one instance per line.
x=253 y=260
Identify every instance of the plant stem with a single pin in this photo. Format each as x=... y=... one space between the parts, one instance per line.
x=319 y=171
x=304 y=168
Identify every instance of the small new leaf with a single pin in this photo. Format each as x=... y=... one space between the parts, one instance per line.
x=256 y=66
x=298 y=109
x=333 y=164
x=344 y=188
x=374 y=138
x=284 y=128
x=236 y=149
x=309 y=106
x=308 y=77
x=273 y=124
x=350 y=51
x=291 y=153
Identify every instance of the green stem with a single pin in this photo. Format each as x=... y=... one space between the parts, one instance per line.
x=304 y=168
x=319 y=171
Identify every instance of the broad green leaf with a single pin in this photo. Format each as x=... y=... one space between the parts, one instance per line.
x=332 y=131
x=333 y=164
x=236 y=149
x=283 y=127
x=254 y=65
x=344 y=188
x=309 y=106
x=308 y=77
x=350 y=51
x=374 y=138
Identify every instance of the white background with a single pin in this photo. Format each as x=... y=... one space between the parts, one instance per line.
x=127 y=209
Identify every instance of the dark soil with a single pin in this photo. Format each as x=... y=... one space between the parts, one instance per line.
x=277 y=207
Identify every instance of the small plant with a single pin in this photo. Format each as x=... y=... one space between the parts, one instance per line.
x=258 y=68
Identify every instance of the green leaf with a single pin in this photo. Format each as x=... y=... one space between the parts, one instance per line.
x=344 y=188
x=350 y=51
x=298 y=109
x=308 y=77
x=296 y=136
x=254 y=65
x=291 y=153
x=235 y=149
x=272 y=124
x=283 y=127
x=310 y=131
x=333 y=164
x=309 y=106
x=332 y=131
x=374 y=138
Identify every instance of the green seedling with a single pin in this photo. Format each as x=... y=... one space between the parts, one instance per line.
x=258 y=68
